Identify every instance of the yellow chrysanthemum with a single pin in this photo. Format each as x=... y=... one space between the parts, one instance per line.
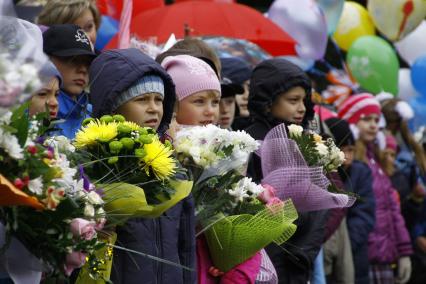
x=131 y=124
x=95 y=132
x=158 y=158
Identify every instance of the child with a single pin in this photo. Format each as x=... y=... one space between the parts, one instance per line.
x=280 y=92
x=238 y=71
x=128 y=82
x=360 y=218
x=82 y=13
x=46 y=98
x=197 y=90
x=227 y=103
x=389 y=242
x=70 y=50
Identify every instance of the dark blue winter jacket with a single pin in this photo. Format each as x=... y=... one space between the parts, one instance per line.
x=360 y=217
x=172 y=235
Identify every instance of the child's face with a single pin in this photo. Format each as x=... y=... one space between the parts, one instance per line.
x=86 y=21
x=226 y=112
x=201 y=108
x=349 y=151
x=290 y=106
x=242 y=100
x=390 y=156
x=145 y=110
x=368 y=127
x=74 y=71
x=46 y=97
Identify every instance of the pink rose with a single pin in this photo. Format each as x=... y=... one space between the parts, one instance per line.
x=267 y=194
x=83 y=228
x=74 y=260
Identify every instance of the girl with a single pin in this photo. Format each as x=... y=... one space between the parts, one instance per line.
x=389 y=241
x=82 y=13
x=128 y=82
x=280 y=92
x=45 y=99
x=198 y=91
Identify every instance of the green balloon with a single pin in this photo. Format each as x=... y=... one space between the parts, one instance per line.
x=374 y=64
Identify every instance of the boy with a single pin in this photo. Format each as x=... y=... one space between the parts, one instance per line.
x=71 y=51
x=227 y=104
x=128 y=82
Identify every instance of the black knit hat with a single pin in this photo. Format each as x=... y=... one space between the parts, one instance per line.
x=340 y=131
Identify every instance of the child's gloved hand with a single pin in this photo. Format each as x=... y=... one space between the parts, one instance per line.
x=404 y=270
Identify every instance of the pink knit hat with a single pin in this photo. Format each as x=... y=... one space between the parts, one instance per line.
x=391 y=142
x=356 y=106
x=190 y=75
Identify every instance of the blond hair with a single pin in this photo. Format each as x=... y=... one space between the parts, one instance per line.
x=57 y=12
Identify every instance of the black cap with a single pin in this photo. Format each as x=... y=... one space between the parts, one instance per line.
x=229 y=89
x=236 y=69
x=67 y=40
x=340 y=131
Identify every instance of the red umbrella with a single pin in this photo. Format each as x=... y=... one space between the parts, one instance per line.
x=213 y=19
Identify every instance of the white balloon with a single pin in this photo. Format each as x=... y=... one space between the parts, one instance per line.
x=413 y=45
x=405 y=86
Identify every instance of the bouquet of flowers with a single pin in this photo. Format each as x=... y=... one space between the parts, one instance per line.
x=316 y=150
x=228 y=208
x=46 y=204
x=137 y=172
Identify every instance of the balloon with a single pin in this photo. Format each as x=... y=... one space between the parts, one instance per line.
x=374 y=64
x=354 y=23
x=418 y=75
x=303 y=63
x=396 y=18
x=419 y=105
x=405 y=87
x=304 y=21
x=413 y=45
x=333 y=10
x=107 y=30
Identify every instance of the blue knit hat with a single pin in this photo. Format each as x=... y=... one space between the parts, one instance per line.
x=147 y=84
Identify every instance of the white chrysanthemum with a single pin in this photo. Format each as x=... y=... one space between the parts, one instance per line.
x=68 y=173
x=36 y=186
x=249 y=186
x=11 y=145
x=240 y=193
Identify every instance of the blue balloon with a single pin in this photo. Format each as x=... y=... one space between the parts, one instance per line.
x=419 y=106
x=333 y=10
x=107 y=30
x=418 y=75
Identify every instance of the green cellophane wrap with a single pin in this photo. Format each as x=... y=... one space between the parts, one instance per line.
x=234 y=239
x=124 y=200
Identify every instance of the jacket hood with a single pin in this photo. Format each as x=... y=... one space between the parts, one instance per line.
x=271 y=78
x=114 y=71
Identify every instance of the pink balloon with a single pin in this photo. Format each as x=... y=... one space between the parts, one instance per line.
x=304 y=21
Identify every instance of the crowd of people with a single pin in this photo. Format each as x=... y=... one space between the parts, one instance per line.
x=379 y=239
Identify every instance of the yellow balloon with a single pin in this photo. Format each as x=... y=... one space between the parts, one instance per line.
x=397 y=18
x=355 y=22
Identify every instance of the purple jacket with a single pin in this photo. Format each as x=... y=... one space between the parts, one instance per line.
x=389 y=240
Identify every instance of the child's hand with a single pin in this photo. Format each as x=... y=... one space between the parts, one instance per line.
x=213 y=271
x=421 y=243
